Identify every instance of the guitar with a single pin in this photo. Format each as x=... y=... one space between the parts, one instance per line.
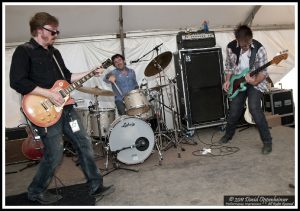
x=247 y=115
x=238 y=83
x=42 y=112
x=32 y=146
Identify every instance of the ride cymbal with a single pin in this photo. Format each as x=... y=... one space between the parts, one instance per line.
x=158 y=64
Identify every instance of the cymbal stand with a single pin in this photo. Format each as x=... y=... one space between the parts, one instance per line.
x=174 y=119
x=158 y=142
x=160 y=122
x=156 y=64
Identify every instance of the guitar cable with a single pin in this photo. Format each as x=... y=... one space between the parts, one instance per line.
x=212 y=147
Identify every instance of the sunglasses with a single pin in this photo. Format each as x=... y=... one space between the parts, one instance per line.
x=52 y=32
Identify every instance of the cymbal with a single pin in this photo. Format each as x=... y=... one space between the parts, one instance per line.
x=162 y=60
x=157 y=88
x=96 y=91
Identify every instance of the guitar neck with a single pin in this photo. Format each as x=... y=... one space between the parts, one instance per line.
x=78 y=83
x=260 y=69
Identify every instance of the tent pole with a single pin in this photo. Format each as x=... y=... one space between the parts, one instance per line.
x=121 y=29
x=250 y=18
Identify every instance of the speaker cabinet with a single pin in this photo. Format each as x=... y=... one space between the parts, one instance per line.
x=199 y=74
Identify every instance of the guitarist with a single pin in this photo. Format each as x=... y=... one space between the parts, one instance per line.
x=34 y=71
x=246 y=52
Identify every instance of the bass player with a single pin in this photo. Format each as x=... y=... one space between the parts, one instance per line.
x=246 y=52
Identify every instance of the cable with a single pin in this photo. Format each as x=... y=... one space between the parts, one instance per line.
x=221 y=149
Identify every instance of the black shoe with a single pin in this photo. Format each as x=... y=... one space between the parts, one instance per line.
x=224 y=140
x=104 y=191
x=267 y=148
x=45 y=198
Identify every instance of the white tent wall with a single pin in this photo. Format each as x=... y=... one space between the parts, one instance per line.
x=85 y=55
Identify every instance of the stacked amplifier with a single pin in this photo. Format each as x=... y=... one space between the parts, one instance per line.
x=199 y=74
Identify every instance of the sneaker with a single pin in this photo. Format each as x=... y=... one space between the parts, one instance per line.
x=267 y=149
x=45 y=198
x=104 y=191
x=224 y=140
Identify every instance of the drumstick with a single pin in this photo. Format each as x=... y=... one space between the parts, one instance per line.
x=118 y=88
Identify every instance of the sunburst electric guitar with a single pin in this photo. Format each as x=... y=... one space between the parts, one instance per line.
x=238 y=82
x=42 y=112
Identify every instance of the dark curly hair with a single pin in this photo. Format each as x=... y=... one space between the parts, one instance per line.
x=243 y=31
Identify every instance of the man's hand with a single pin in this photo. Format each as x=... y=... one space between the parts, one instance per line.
x=250 y=80
x=226 y=86
x=55 y=98
x=99 y=71
x=112 y=78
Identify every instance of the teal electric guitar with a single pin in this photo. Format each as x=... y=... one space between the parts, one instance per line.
x=238 y=82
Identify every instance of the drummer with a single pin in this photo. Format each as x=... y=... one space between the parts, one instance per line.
x=123 y=80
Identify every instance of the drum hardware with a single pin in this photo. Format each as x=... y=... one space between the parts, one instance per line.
x=115 y=163
x=159 y=87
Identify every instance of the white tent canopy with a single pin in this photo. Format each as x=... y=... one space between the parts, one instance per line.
x=84 y=20
x=90 y=34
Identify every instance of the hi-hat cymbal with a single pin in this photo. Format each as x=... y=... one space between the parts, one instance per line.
x=162 y=60
x=96 y=91
x=157 y=88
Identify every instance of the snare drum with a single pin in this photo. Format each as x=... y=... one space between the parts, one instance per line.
x=132 y=138
x=136 y=102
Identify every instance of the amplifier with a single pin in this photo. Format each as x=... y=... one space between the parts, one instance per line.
x=279 y=101
x=198 y=39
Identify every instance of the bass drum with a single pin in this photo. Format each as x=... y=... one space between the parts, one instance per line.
x=132 y=139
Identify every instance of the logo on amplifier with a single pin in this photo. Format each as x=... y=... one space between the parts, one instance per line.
x=187 y=58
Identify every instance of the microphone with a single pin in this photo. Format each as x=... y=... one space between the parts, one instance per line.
x=156 y=47
x=134 y=61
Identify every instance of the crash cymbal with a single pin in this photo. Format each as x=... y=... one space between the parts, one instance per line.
x=157 y=88
x=96 y=91
x=162 y=60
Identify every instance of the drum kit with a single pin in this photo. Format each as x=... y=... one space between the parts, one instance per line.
x=131 y=138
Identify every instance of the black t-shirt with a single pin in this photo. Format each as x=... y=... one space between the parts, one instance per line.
x=32 y=66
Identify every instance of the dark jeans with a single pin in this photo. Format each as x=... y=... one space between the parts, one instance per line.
x=121 y=107
x=237 y=108
x=53 y=153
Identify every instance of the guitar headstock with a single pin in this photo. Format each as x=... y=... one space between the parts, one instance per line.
x=107 y=63
x=283 y=55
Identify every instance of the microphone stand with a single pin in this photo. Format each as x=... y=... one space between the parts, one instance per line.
x=155 y=48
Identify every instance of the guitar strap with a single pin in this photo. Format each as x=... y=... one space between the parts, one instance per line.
x=63 y=75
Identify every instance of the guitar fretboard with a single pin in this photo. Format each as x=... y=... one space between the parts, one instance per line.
x=260 y=68
x=76 y=84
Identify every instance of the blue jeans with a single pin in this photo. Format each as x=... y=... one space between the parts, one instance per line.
x=121 y=107
x=53 y=153
x=237 y=108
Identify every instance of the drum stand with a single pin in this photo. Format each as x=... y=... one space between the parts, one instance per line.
x=115 y=163
x=158 y=112
x=98 y=116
